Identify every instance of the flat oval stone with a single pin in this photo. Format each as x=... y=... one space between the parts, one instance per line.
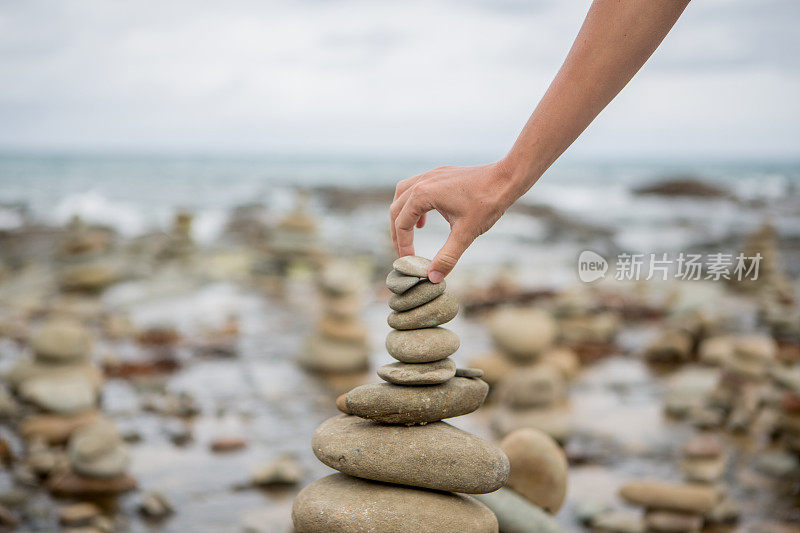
x=62 y=340
x=469 y=373
x=687 y=498
x=438 y=311
x=399 y=283
x=422 y=345
x=350 y=505
x=397 y=404
x=419 y=373
x=435 y=456
x=421 y=293
x=412 y=265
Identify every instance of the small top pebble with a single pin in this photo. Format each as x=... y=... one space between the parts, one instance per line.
x=412 y=265
x=399 y=283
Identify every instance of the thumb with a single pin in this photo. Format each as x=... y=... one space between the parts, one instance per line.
x=445 y=261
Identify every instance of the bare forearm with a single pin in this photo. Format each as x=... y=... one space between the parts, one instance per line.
x=616 y=39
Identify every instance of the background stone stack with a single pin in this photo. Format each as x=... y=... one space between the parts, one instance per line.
x=522 y=337
x=98 y=463
x=179 y=244
x=340 y=343
x=295 y=238
x=530 y=373
x=533 y=397
x=397 y=435
x=704 y=461
x=59 y=380
x=738 y=395
x=787 y=428
x=84 y=261
x=586 y=325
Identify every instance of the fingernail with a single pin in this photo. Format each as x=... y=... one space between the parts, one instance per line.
x=435 y=276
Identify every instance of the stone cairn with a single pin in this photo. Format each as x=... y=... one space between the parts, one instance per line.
x=98 y=463
x=339 y=346
x=59 y=381
x=401 y=465
x=529 y=372
x=179 y=245
x=295 y=239
x=84 y=264
x=60 y=389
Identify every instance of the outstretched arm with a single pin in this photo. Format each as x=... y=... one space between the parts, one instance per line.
x=616 y=38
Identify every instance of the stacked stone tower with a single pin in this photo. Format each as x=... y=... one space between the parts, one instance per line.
x=400 y=464
x=339 y=344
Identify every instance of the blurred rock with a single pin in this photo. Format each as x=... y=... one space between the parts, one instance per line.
x=155 y=506
x=284 y=470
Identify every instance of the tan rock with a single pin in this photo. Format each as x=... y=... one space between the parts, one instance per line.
x=422 y=345
x=328 y=355
x=672 y=522
x=535 y=386
x=418 y=373
x=412 y=265
x=554 y=421
x=563 y=359
x=435 y=456
x=522 y=333
x=350 y=505
x=345 y=330
x=438 y=311
x=75 y=486
x=62 y=340
x=55 y=429
x=686 y=498
x=495 y=367
x=396 y=404
x=421 y=293
x=538 y=468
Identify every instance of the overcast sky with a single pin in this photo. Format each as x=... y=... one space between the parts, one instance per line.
x=374 y=77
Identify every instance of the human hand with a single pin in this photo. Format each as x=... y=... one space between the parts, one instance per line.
x=471 y=199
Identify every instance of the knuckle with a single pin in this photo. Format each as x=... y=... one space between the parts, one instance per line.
x=447 y=259
x=422 y=190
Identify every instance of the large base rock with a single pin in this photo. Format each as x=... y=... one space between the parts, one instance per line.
x=436 y=456
x=348 y=505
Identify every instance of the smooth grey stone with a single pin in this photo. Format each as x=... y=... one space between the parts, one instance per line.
x=412 y=265
x=422 y=345
x=438 y=311
x=399 y=283
x=421 y=293
x=515 y=514
x=418 y=373
x=534 y=386
x=60 y=393
x=62 y=340
x=396 y=404
x=469 y=373
x=98 y=451
x=347 y=504
x=435 y=456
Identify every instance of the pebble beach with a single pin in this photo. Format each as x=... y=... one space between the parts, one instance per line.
x=204 y=354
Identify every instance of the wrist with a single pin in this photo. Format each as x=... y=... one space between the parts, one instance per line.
x=517 y=174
